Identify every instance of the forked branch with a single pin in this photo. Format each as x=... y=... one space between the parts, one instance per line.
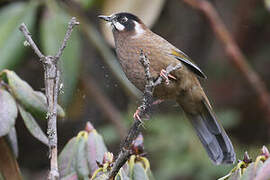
x=52 y=76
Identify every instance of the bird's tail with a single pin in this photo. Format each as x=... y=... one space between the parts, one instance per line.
x=213 y=137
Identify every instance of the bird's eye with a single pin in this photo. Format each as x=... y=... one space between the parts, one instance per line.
x=124 y=19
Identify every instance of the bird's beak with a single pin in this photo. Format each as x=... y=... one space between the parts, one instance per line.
x=106 y=18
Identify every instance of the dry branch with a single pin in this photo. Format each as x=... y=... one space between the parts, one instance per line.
x=233 y=51
x=52 y=76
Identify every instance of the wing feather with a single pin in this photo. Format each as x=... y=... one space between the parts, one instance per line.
x=185 y=59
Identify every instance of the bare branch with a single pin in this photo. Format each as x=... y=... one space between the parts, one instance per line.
x=73 y=22
x=141 y=112
x=52 y=76
x=29 y=39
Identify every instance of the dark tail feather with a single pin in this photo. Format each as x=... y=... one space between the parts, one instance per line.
x=212 y=135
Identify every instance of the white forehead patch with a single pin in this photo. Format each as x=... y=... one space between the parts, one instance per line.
x=118 y=26
x=138 y=29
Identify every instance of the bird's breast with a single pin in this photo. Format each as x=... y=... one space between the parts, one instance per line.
x=129 y=60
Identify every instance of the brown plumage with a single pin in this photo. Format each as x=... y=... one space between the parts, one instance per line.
x=131 y=36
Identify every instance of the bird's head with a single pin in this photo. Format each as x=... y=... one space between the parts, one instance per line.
x=125 y=22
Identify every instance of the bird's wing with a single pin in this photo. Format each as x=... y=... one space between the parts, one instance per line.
x=185 y=59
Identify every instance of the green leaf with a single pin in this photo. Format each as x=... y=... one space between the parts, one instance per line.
x=11 y=138
x=251 y=171
x=264 y=172
x=8 y=112
x=122 y=175
x=33 y=101
x=60 y=111
x=33 y=126
x=104 y=176
x=95 y=149
x=226 y=177
x=11 y=39
x=81 y=156
x=73 y=158
x=139 y=168
x=139 y=172
x=66 y=159
x=53 y=28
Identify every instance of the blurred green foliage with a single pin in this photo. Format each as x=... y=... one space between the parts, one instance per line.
x=11 y=39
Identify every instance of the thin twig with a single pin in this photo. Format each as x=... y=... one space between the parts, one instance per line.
x=28 y=38
x=73 y=22
x=141 y=112
x=233 y=51
x=52 y=76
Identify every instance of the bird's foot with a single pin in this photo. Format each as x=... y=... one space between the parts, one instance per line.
x=156 y=102
x=165 y=75
x=136 y=115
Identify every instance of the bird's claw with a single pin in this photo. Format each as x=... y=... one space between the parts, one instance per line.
x=157 y=101
x=136 y=115
x=165 y=75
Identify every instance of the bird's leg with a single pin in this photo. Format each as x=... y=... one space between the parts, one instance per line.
x=165 y=75
x=157 y=101
x=136 y=115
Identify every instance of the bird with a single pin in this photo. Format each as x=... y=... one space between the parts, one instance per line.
x=131 y=36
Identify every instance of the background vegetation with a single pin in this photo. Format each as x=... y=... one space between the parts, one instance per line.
x=95 y=90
